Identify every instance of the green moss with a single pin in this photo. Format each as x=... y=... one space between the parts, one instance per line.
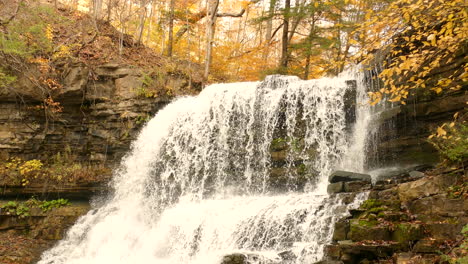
x=371 y=203
x=301 y=169
x=376 y=210
x=367 y=223
x=405 y=232
x=278 y=144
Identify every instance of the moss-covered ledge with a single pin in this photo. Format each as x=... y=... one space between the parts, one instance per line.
x=417 y=220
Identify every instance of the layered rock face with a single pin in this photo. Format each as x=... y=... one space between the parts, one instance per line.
x=402 y=131
x=102 y=112
x=24 y=237
x=409 y=218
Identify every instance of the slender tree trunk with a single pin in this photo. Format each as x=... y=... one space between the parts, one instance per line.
x=269 y=30
x=171 y=29
x=97 y=8
x=141 y=27
x=150 y=24
x=109 y=10
x=285 y=42
x=211 y=26
x=309 y=48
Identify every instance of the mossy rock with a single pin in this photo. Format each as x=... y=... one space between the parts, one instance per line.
x=378 y=204
x=361 y=229
x=393 y=216
x=405 y=232
x=371 y=203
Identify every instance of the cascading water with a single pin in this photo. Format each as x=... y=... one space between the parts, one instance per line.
x=198 y=183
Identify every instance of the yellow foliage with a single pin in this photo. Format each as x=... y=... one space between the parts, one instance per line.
x=49 y=32
x=421 y=36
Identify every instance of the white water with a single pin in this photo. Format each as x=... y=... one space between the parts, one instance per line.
x=196 y=185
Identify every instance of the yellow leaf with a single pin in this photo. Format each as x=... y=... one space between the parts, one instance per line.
x=406 y=16
x=438 y=90
x=441 y=131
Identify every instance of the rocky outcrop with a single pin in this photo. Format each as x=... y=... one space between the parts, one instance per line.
x=402 y=131
x=346 y=181
x=102 y=112
x=405 y=220
x=23 y=238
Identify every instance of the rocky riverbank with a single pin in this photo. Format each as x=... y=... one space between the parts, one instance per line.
x=29 y=227
x=411 y=216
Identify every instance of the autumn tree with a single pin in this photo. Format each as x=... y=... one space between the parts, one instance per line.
x=426 y=44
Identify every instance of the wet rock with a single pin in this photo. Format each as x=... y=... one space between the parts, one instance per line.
x=357 y=186
x=329 y=262
x=347 y=176
x=336 y=187
x=235 y=258
x=416 y=174
x=341 y=230
x=333 y=251
x=348 y=198
x=287 y=256
x=403 y=132
x=250 y=258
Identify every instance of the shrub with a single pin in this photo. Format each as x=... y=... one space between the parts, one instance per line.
x=48 y=205
x=451 y=140
x=14 y=208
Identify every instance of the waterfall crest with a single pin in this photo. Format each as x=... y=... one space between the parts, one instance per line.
x=199 y=182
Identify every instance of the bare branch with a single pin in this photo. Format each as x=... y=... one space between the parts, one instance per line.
x=240 y=14
x=202 y=14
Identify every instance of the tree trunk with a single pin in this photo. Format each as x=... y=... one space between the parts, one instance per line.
x=141 y=27
x=97 y=8
x=150 y=25
x=210 y=30
x=269 y=30
x=171 y=29
x=109 y=10
x=285 y=42
x=309 y=48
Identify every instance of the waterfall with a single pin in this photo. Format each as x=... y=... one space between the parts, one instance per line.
x=240 y=168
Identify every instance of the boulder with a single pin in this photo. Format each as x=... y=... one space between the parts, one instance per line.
x=416 y=174
x=341 y=230
x=367 y=230
x=347 y=176
x=329 y=262
x=428 y=246
x=235 y=258
x=418 y=189
x=357 y=186
x=407 y=232
x=287 y=256
x=336 y=187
